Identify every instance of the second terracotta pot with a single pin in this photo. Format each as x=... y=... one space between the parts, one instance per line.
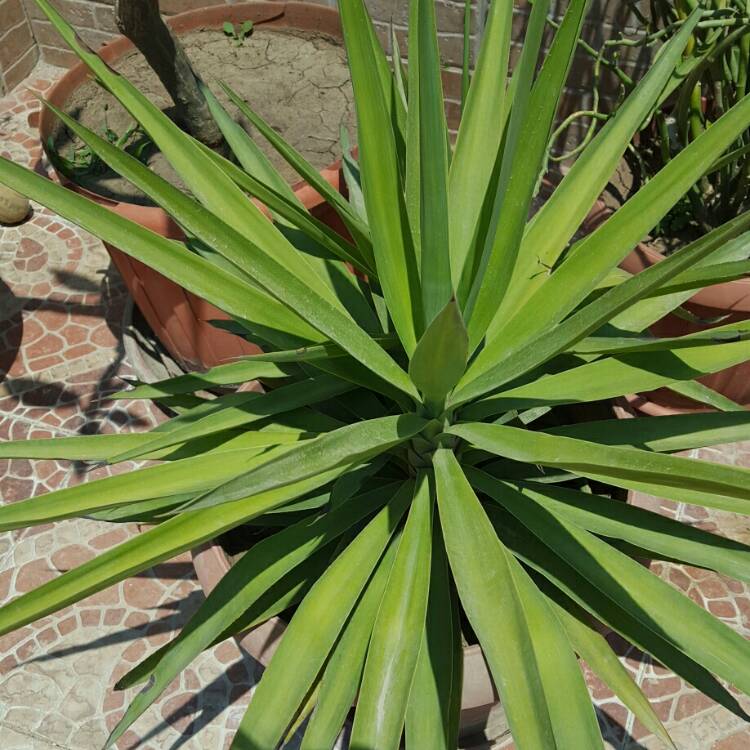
x=729 y=302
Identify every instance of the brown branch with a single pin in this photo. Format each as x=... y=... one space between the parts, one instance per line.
x=140 y=21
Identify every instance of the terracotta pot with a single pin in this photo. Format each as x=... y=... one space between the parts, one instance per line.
x=178 y=318
x=479 y=696
x=729 y=301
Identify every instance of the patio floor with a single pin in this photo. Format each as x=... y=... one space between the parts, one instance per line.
x=61 y=354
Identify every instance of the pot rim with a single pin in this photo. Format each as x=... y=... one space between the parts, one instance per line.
x=640 y=403
x=299 y=15
x=211 y=565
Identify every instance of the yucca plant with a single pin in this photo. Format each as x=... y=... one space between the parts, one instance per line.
x=409 y=459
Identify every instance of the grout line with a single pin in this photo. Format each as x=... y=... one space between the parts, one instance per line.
x=34 y=736
x=41 y=425
x=630 y=722
x=5 y=34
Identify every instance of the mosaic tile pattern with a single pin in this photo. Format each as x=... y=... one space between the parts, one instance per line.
x=61 y=355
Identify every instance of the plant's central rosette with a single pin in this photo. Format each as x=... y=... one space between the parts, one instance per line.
x=421 y=448
x=423 y=464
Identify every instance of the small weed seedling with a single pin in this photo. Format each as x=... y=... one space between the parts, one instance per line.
x=238 y=32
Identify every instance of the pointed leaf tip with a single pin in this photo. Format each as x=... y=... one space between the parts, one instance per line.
x=439 y=361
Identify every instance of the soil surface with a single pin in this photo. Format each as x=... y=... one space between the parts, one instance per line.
x=298 y=81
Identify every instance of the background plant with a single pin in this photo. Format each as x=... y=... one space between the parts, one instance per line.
x=711 y=78
x=422 y=461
